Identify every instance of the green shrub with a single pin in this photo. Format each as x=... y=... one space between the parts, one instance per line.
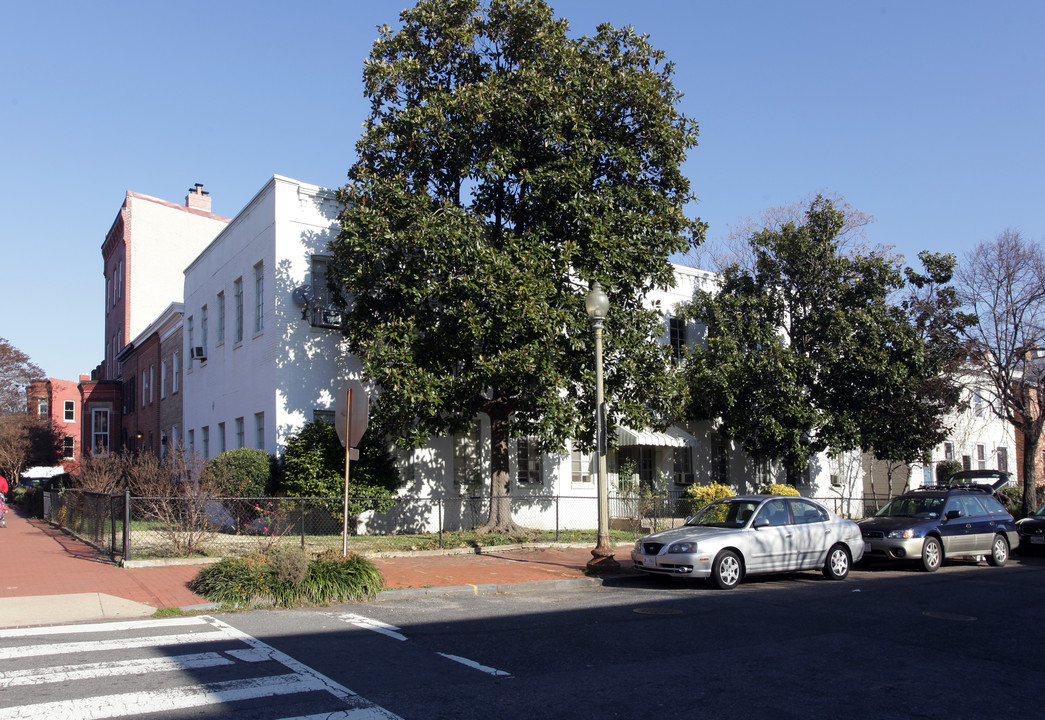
x=333 y=578
x=704 y=494
x=946 y=468
x=1012 y=498
x=779 y=489
x=243 y=472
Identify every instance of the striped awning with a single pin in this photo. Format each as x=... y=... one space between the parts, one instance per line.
x=672 y=437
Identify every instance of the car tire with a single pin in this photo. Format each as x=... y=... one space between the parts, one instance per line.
x=838 y=562
x=727 y=570
x=932 y=554
x=999 y=551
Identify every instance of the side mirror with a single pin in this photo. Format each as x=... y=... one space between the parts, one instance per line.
x=954 y=514
x=761 y=522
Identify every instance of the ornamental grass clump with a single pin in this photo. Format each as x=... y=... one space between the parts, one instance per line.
x=288 y=578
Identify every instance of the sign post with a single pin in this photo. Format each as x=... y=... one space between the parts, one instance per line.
x=350 y=423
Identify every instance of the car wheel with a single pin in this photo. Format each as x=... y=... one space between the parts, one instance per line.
x=727 y=570
x=932 y=554
x=999 y=551
x=838 y=562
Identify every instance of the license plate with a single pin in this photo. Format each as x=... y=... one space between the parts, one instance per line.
x=867 y=548
x=1037 y=541
x=649 y=561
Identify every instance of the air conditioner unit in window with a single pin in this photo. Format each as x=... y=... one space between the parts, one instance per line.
x=198 y=353
x=330 y=318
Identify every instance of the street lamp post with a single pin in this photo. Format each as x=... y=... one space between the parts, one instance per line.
x=597 y=305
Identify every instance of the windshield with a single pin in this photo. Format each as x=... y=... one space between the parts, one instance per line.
x=916 y=507
x=727 y=513
x=1040 y=511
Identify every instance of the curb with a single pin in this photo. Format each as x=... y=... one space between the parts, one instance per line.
x=503 y=588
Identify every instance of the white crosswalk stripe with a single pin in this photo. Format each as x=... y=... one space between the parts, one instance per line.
x=246 y=671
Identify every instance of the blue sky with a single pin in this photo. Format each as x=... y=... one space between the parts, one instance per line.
x=926 y=115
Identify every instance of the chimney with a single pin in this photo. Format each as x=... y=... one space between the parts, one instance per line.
x=198 y=198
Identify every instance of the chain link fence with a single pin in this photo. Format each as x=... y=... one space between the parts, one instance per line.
x=143 y=527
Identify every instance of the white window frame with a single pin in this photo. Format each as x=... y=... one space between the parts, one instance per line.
x=259 y=298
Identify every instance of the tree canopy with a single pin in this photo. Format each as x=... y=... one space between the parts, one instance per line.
x=1003 y=286
x=16 y=370
x=505 y=166
x=809 y=350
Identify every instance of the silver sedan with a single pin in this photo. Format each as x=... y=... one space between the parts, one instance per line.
x=739 y=536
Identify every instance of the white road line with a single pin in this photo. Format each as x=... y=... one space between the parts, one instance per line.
x=371 y=624
x=476 y=666
x=141 y=703
x=101 y=627
x=88 y=671
x=107 y=645
x=354 y=714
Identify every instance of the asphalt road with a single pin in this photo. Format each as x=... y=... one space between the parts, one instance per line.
x=885 y=643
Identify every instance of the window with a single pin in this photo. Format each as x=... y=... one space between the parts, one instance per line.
x=948 y=451
x=192 y=440
x=581 y=467
x=205 y=440
x=191 y=337
x=221 y=319
x=466 y=458
x=70 y=411
x=203 y=328
x=977 y=402
x=239 y=432
x=720 y=461
x=775 y=512
x=108 y=294
x=636 y=461
x=682 y=460
x=41 y=407
x=677 y=336
x=176 y=365
x=981 y=457
x=152 y=378
x=100 y=430
x=259 y=430
x=145 y=387
x=1003 y=459
x=805 y=512
x=119 y=280
x=221 y=438
x=529 y=470
x=324 y=416
x=237 y=319
x=68 y=447
x=259 y=298
x=163 y=380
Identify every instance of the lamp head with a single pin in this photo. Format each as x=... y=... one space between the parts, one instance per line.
x=597 y=303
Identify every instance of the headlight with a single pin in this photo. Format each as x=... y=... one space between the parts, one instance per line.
x=906 y=534
x=638 y=547
x=683 y=547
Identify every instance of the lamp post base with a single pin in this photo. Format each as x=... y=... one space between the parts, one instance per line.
x=602 y=561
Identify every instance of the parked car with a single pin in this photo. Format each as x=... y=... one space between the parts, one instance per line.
x=1031 y=531
x=739 y=536
x=930 y=524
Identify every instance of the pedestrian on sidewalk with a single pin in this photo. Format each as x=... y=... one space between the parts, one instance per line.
x=3 y=501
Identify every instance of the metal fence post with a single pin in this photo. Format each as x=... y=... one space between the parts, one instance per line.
x=556 y=518
x=301 y=501
x=126 y=525
x=439 y=506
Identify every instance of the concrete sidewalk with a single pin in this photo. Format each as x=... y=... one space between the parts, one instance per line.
x=49 y=577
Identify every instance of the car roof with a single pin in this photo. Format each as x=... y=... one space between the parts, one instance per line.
x=993 y=478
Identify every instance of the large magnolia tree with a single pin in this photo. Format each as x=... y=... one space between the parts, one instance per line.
x=505 y=166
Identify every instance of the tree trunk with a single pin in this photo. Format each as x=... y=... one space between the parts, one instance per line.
x=500 y=519
x=1030 y=455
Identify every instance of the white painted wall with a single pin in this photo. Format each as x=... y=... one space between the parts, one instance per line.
x=163 y=237
x=289 y=369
